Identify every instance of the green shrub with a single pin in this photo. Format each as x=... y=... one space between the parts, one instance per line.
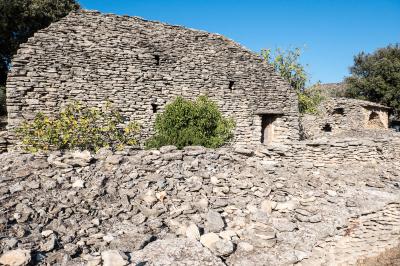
x=78 y=126
x=186 y=123
x=309 y=101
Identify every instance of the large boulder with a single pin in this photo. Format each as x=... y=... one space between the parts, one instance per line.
x=18 y=257
x=178 y=251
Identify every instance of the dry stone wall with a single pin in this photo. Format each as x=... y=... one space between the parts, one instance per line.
x=235 y=206
x=140 y=66
x=346 y=117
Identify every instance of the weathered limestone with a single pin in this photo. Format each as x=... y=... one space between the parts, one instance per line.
x=335 y=202
x=344 y=117
x=141 y=65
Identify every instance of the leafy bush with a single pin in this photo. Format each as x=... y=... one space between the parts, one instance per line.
x=309 y=101
x=185 y=123
x=78 y=126
x=287 y=65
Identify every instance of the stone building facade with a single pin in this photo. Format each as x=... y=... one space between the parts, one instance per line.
x=346 y=117
x=140 y=66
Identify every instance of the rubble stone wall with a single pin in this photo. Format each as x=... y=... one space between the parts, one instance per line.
x=140 y=66
x=242 y=205
x=343 y=116
x=322 y=152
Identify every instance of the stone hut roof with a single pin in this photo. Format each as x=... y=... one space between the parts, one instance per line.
x=140 y=66
x=347 y=101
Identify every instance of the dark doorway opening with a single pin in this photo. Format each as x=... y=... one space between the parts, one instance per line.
x=154 y=108
x=267 y=128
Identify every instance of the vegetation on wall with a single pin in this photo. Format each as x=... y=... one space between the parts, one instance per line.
x=186 y=123
x=20 y=19
x=287 y=65
x=78 y=126
x=376 y=77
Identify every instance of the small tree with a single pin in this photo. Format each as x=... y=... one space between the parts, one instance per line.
x=287 y=65
x=78 y=126
x=186 y=123
x=376 y=77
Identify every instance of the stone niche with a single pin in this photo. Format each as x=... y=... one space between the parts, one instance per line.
x=140 y=66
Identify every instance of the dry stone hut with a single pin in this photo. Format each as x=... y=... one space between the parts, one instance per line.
x=346 y=117
x=140 y=66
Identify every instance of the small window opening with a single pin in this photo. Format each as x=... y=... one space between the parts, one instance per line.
x=338 y=111
x=267 y=128
x=327 y=128
x=157 y=58
x=231 y=83
x=154 y=108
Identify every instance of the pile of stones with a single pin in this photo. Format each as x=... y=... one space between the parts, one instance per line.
x=228 y=206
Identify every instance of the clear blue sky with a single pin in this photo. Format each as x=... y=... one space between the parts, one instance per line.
x=333 y=31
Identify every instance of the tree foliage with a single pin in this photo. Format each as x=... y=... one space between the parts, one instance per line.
x=287 y=65
x=186 y=123
x=78 y=126
x=19 y=19
x=376 y=77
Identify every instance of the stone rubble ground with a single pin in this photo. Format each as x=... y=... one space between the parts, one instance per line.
x=193 y=207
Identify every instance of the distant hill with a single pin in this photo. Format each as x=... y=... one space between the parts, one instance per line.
x=330 y=89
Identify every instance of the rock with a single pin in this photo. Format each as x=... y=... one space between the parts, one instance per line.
x=228 y=234
x=168 y=148
x=108 y=238
x=214 y=222
x=259 y=235
x=18 y=257
x=267 y=206
x=79 y=158
x=244 y=151
x=222 y=247
x=192 y=232
x=71 y=249
x=244 y=247
x=49 y=244
x=78 y=184
x=173 y=156
x=47 y=233
x=209 y=239
x=94 y=261
x=11 y=243
x=219 y=246
x=331 y=193
x=284 y=225
x=175 y=251
x=202 y=203
x=16 y=188
x=33 y=184
x=103 y=153
x=286 y=206
x=114 y=159
x=22 y=173
x=113 y=258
